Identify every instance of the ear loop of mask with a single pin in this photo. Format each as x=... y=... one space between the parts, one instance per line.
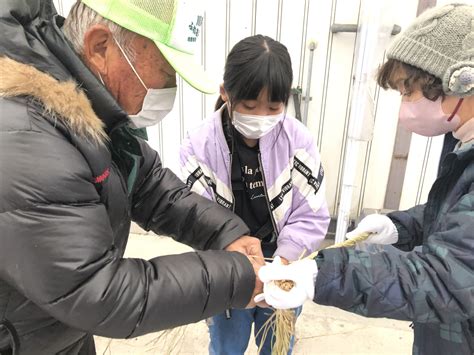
x=101 y=80
x=130 y=63
x=229 y=110
x=456 y=109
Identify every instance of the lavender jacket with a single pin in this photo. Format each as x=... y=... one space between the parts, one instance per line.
x=293 y=178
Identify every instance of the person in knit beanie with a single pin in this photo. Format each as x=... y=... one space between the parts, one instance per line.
x=432 y=65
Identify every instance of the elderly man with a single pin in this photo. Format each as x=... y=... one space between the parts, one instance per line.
x=73 y=175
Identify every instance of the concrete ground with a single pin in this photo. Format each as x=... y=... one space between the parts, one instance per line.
x=319 y=330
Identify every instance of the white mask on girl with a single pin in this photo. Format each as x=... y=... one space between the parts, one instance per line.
x=255 y=126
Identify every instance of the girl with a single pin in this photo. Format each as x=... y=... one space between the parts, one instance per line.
x=252 y=158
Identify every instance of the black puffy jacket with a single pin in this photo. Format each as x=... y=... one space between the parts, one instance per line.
x=72 y=177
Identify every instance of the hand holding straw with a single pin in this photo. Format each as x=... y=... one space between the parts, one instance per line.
x=283 y=321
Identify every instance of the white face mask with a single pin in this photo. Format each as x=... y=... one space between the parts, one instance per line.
x=156 y=104
x=255 y=126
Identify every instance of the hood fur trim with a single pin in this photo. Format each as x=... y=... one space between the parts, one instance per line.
x=64 y=100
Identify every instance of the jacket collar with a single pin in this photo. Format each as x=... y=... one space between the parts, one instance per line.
x=219 y=130
x=466 y=132
x=466 y=151
x=63 y=99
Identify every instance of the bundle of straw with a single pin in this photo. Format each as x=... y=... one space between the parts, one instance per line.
x=283 y=321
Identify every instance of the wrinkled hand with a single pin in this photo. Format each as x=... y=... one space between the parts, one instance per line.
x=302 y=273
x=382 y=228
x=252 y=247
x=257 y=264
x=249 y=246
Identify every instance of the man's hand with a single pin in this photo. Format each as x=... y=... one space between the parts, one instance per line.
x=252 y=247
x=249 y=246
x=257 y=264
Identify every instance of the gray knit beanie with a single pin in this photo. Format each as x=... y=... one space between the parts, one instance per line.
x=441 y=42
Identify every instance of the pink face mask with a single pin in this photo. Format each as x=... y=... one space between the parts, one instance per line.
x=426 y=117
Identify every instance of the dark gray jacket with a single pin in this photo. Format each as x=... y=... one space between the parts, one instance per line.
x=433 y=288
x=72 y=177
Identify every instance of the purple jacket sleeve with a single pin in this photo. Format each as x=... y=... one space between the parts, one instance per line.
x=309 y=218
x=191 y=171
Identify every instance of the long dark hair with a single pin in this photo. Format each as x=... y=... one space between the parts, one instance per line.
x=255 y=63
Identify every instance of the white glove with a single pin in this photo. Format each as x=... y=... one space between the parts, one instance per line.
x=382 y=228
x=302 y=273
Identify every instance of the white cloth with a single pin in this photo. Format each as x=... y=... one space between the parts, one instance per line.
x=302 y=273
x=382 y=230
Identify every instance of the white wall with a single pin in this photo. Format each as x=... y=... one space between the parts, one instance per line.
x=294 y=23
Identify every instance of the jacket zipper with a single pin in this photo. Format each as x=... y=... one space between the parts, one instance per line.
x=228 y=312
x=266 y=194
x=230 y=179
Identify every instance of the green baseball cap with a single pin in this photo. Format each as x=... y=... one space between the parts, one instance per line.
x=173 y=25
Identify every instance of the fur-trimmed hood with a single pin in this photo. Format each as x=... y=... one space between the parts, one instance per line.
x=65 y=99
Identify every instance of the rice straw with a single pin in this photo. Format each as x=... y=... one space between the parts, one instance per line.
x=283 y=321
